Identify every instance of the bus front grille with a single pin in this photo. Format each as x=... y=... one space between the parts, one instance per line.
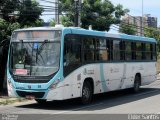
x=35 y=94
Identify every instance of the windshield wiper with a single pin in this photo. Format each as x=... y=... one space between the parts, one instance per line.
x=42 y=46
x=39 y=50
x=22 y=55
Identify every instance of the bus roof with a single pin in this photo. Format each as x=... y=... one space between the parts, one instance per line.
x=38 y=28
x=82 y=31
x=110 y=35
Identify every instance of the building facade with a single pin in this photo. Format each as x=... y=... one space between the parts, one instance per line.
x=140 y=22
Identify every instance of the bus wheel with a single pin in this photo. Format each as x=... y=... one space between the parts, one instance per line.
x=40 y=101
x=87 y=93
x=136 y=87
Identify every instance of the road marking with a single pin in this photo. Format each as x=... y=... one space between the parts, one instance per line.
x=62 y=112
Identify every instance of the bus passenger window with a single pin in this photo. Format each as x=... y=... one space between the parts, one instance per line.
x=138 y=51
x=116 y=50
x=128 y=52
x=88 y=49
x=133 y=49
x=103 y=55
x=148 y=51
x=72 y=54
x=102 y=50
x=154 y=52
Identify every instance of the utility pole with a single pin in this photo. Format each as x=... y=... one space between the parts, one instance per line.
x=79 y=11
x=78 y=7
x=57 y=11
x=76 y=2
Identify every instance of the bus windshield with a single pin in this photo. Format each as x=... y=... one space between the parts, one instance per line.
x=35 y=57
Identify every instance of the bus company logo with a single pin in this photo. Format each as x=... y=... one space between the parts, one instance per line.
x=29 y=87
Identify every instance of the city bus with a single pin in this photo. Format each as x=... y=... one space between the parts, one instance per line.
x=60 y=63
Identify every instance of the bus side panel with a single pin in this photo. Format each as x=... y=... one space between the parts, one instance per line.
x=56 y=94
x=149 y=73
x=129 y=75
x=76 y=79
x=113 y=74
x=67 y=92
x=106 y=77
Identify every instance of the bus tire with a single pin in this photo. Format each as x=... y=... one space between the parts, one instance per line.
x=87 y=93
x=137 y=84
x=40 y=101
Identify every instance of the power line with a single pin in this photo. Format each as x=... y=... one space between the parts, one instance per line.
x=46 y=6
x=48 y=1
x=114 y=29
x=33 y=14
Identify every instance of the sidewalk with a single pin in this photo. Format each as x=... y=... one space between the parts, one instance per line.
x=5 y=100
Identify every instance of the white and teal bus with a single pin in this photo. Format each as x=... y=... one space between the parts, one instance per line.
x=59 y=63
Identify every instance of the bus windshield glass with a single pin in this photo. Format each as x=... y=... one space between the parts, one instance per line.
x=35 y=55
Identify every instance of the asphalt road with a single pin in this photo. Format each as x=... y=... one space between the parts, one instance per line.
x=124 y=102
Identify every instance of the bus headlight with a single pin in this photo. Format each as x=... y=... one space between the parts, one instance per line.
x=54 y=84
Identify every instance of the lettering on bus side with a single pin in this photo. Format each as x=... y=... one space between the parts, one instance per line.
x=88 y=72
x=115 y=70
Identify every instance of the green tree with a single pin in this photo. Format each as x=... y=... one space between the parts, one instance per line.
x=153 y=33
x=26 y=12
x=3 y=29
x=29 y=13
x=127 y=29
x=7 y=7
x=6 y=29
x=52 y=22
x=98 y=13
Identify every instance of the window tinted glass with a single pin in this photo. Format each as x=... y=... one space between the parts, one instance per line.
x=128 y=52
x=148 y=51
x=116 y=50
x=101 y=50
x=72 y=53
x=88 y=48
x=138 y=51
